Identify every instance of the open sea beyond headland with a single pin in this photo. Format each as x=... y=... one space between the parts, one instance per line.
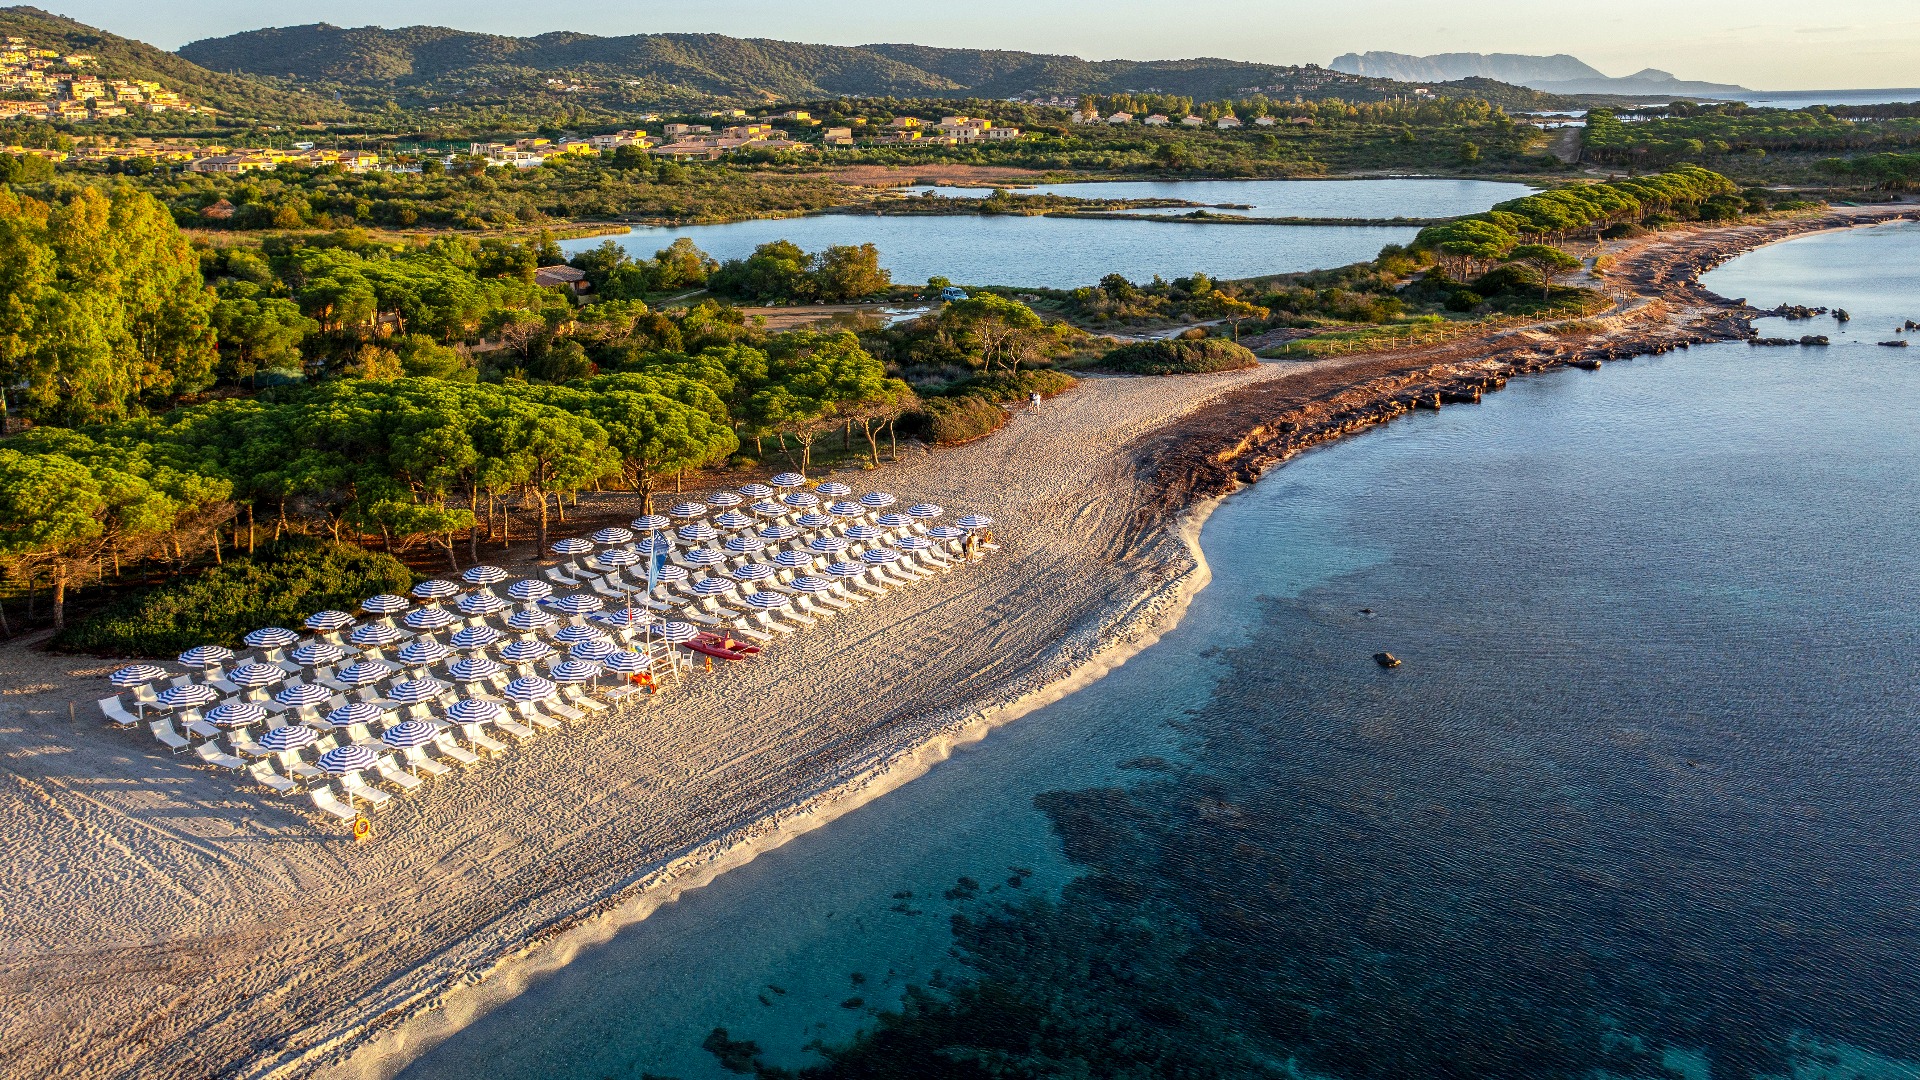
x=1642 y=801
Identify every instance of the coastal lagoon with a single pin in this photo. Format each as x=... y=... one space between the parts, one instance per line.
x=1065 y=253
x=1640 y=802
x=1414 y=197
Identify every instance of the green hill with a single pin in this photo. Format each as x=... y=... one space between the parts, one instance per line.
x=120 y=57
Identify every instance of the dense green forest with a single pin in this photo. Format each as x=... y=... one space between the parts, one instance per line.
x=1744 y=140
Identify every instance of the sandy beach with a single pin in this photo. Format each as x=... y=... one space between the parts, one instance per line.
x=161 y=919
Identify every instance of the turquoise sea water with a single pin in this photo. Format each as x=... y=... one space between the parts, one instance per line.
x=1642 y=800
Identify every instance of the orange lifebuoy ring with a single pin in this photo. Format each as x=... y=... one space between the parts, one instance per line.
x=362 y=828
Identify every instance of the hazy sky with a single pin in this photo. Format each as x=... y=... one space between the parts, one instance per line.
x=1763 y=44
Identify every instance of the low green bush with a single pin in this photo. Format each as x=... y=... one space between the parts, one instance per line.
x=1180 y=357
x=955 y=419
x=1018 y=386
x=278 y=585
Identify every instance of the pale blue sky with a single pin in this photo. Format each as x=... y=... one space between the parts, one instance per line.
x=1764 y=44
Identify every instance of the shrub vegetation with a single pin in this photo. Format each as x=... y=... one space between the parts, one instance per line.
x=1183 y=356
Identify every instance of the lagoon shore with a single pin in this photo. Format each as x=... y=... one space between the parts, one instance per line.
x=160 y=919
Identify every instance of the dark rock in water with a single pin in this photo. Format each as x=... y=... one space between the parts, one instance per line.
x=1814 y=339
x=1369 y=612
x=1386 y=659
x=1841 y=315
x=1771 y=341
x=1894 y=344
x=1587 y=365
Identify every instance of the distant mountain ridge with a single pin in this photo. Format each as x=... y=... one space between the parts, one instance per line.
x=1556 y=74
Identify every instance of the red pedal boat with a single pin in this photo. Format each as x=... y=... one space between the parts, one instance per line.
x=722 y=648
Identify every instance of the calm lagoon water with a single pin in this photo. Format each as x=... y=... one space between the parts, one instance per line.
x=1067 y=253
x=1642 y=800
x=1410 y=197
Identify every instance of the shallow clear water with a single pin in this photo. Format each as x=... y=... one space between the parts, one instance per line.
x=1642 y=798
x=1410 y=197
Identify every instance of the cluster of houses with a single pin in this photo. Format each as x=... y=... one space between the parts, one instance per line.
x=527 y=153
x=45 y=84
x=1224 y=123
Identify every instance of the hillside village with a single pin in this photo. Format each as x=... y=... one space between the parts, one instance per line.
x=45 y=84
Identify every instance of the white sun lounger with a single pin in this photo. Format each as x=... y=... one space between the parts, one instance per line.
x=244 y=745
x=417 y=757
x=534 y=716
x=116 y=712
x=355 y=787
x=444 y=743
x=513 y=727
x=163 y=730
x=291 y=764
x=581 y=698
x=393 y=774
x=213 y=755
x=330 y=804
x=263 y=774
x=764 y=621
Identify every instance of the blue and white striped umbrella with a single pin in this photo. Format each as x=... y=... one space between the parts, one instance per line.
x=254 y=676
x=469 y=668
x=892 y=521
x=315 y=653
x=813 y=520
x=912 y=543
x=206 y=655
x=862 y=532
x=375 y=634
x=593 y=650
x=766 y=508
x=703 y=556
x=271 y=637
x=435 y=590
x=578 y=632
x=753 y=571
x=415 y=691
x=423 y=651
x=528 y=620
x=408 y=734
x=525 y=652
x=670 y=573
x=324 y=621
x=235 y=714
x=800 y=500
x=946 y=532
x=481 y=602
x=675 y=632
x=758 y=491
x=724 y=499
x=793 y=559
x=577 y=603
x=974 y=521
x=827 y=545
x=469 y=638
x=628 y=663
x=807 y=583
x=355 y=712
x=574 y=671
x=766 y=601
x=880 y=556
x=846 y=509
x=653 y=545
x=137 y=675
x=484 y=575
x=385 y=604
x=304 y=694
x=774 y=534
x=696 y=532
x=612 y=535
x=185 y=697
x=651 y=522
x=288 y=737
x=621 y=617
x=529 y=590
x=572 y=545
x=924 y=510
x=620 y=556
x=877 y=500
x=787 y=480
x=833 y=489
x=530 y=688
x=473 y=711
x=364 y=673
x=687 y=510
x=745 y=545
x=342 y=760
x=712 y=586
x=732 y=519
x=846 y=569
x=430 y=618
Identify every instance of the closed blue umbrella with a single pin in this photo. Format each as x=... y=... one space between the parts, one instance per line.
x=235 y=714
x=355 y=712
x=374 y=635
x=528 y=620
x=364 y=673
x=974 y=521
x=862 y=532
x=612 y=535
x=342 y=760
x=807 y=583
x=408 y=734
x=793 y=559
x=475 y=637
x=892 y=521
x=484 y=575
x=385 y=604
x=137 y=675
x=732 y=519
x=753 y=571
x=469 y=668
x=315 y=653
x=618 y=557
x=288 y=737
x=473 y=711
x=525 y=652
x=422 y=652
x=812 y=520
x=924 y=510
x=530 y=688
x=593 y=650
x=827 y=545
x=745 y=545
x=304 y=694
x=846 y=569
x=206 y=655
x=630 y=663
x=325 y=621
x=271 y=637
x=687 y=510
x=846 y=509
x=572 y=545
x=435 y=590
x=430 y=618
x=481 y=602
x=697 y=532
x=774 y=534
x=576 y=633
x=724 y=499
x=767 y=508
x=877 y=500
x=766 y=601
x=576 y=603
x=880 y=556
x=946 y=532
x=574 y=671
x=712 y=586
x=254 y=676
x=529 y=590
x=651 y=522
x=758 y=491
x=415 y=691
x=186 y=697
x=800 y=500
x=834 y=489
x=788 y=480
